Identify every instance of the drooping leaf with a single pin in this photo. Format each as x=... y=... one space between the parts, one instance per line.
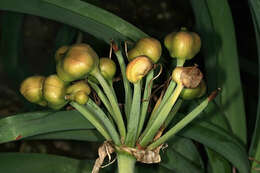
x=80 y=135
x=255 y=144
x=220 y=141
x=79 y=14
x=30 y=124
x=181 y=156
x=221 y=59
x=44 y=163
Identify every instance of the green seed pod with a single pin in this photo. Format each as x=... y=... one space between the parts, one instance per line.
x=138 y=68
x=149 y=47
x=183 y=44
x=81 y=97
x=79 y=86
x=54 y=90
x=61 y=52
x=192 y=93
x=203 y=89
x=189 y=77
x=107 y=68
x=80 y=60
x=31 y=89
x=168 y=40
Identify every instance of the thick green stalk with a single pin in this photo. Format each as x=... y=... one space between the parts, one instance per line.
x=145 y=101
x=127 y=87
x=173 y=112
x=91 y=105
x=113 y=100
x=94 y=121
x=180 y=125
x=102 y=96
x=125 y=163
x=133 y=120
x=149 y=133
x=165 y=98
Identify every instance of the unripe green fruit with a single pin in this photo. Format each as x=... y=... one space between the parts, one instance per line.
x=189 y=77
x=78 y=86
x=31 y=89
x=203 y=89
x=149 y=47
x=192 y=93
x=183 y=44
x=78 y=62
x=138 y=68
x=81 y=97
x=107 y=68
x=61 y=52
x=54 y=91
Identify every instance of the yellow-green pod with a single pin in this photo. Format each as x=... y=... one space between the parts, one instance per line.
x=31 y=89
x=54 y=91
x=80 y=60
x=138 y=68
x=149 y=47
x=61 y=52
x=203 y=89
x=192 y=93
x=79 y=86
x=183 y=44
x=81 y=97
x=107 y=68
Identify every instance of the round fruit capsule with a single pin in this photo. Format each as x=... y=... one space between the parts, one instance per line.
x=78 y=86
x=54 y=91
x=31 y=89
x=149 y=47
x=138 y=68
x=107 y=68
x=61 y=52
x=183 y=44
x=81 y=97
x=78 y=62
x=189 y=77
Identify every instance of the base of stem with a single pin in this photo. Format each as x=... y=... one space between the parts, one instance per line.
x=125 y=163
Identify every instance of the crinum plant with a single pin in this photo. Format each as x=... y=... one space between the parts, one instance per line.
x=131 y=131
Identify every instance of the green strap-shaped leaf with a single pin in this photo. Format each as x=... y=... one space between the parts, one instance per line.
x=36 y=123
x=79 y=135
x=78 y=14
x=44 y=163
x=215 y=25
x=181 y=156
x=255 y=144
x=220 y=141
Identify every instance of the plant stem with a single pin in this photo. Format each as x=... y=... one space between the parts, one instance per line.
x=102 y=96
x=94 y=121
x=159 y=106
x=145 y=101
x=173 y=112
x=126 y=163
x=93 y=107
x=180 y=125
x=133 y=120
x=149 y=133
x=128 y=90
x=180 y=62
x=113 y=100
